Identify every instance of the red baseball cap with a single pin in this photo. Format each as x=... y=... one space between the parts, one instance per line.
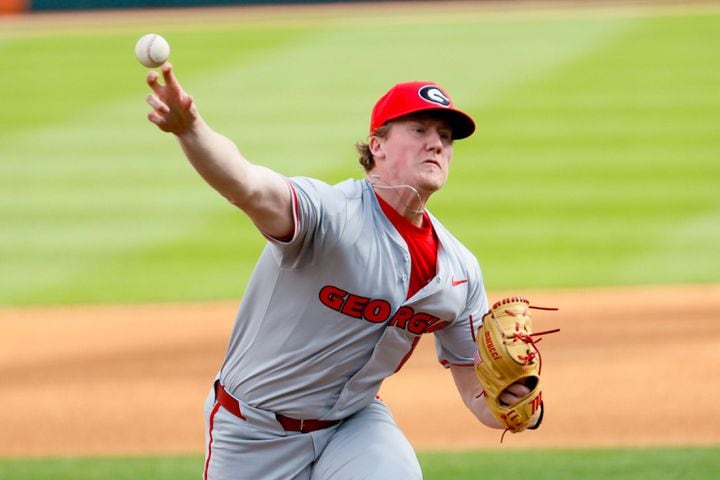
x=413 y=97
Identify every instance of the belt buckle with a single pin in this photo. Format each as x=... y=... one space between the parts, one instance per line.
x=302 y=426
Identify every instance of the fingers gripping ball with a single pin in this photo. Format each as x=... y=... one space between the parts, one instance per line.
x=152 y=50
x=508 y=354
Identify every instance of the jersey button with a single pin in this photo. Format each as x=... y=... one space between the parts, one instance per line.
x=403 y=277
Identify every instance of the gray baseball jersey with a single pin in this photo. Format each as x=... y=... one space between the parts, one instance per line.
x=325 y=317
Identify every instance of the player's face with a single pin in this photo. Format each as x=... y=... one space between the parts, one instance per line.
x=417 y=152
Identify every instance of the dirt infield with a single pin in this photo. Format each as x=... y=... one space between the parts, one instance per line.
x=630 y=367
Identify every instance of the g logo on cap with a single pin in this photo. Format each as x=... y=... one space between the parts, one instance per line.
x=433 y=94
x=406 y=98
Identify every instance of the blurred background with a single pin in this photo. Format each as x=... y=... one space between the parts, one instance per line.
x=592 y=179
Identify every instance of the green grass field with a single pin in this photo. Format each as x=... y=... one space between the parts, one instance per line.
x=602 y=464
x=595 y=160
x=595 y=163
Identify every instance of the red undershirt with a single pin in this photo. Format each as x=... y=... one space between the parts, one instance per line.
x=422 y=243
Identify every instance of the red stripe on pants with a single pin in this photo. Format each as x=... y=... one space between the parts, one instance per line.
x=209 y=452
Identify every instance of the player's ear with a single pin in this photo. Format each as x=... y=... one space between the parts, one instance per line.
x=376 y=145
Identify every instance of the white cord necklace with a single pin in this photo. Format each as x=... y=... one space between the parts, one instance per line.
x=373 y=178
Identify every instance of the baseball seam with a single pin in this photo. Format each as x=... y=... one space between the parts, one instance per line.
x=148 y=53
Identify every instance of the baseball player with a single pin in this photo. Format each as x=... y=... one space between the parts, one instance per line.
x=350 y=278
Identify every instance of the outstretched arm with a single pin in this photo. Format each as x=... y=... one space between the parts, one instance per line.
x=264 y=195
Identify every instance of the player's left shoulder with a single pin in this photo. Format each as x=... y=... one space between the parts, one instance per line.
x=450 y=242
x=462 y=261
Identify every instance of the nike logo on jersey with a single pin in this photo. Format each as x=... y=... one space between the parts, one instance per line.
x=455 y=283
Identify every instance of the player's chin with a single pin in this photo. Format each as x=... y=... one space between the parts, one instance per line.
x=433 y=182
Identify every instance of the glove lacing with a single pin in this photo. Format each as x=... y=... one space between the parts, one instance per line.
x=523 y=336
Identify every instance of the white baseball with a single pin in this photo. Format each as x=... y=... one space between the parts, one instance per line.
x=152 y=50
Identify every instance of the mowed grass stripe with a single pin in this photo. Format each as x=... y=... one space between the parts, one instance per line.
x=79 y=191
x=273 y=92
x=296 y=106
x=592 y=172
